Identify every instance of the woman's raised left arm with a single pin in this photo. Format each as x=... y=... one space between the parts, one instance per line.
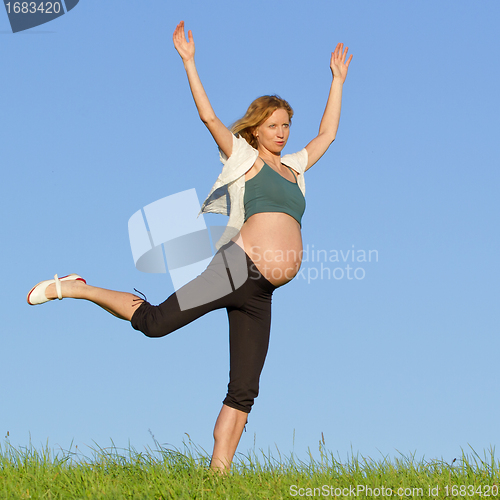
x=331 y=117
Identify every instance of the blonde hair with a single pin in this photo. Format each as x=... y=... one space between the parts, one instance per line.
x=257 y=113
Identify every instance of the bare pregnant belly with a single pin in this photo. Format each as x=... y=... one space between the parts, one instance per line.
x=274 y=243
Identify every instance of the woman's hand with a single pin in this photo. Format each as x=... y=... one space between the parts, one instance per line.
x=338 y=64
x=185 y=49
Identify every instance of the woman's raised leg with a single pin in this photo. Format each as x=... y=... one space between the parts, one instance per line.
x=120 y=304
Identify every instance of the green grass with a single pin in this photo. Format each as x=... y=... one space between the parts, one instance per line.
x=162 y=473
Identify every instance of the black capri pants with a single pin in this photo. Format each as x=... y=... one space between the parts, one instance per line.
x=230 y=281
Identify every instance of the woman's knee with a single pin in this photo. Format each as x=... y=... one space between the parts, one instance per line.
x=245 y=406
x=241 y=393
x=149 y=320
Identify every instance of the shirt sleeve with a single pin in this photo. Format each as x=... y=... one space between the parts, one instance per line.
x=298 y=161
x=240 y=147
x=242 y=158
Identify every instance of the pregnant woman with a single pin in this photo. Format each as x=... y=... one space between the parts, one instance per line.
x=260 y=250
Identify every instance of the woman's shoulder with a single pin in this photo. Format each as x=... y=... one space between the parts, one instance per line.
x=241 y=148
x=298 y=160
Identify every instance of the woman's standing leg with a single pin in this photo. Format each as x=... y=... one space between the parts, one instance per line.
x=227 y=433
x=249 y=331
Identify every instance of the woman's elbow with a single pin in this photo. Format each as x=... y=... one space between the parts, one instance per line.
x=208 y=118
x=328 y=137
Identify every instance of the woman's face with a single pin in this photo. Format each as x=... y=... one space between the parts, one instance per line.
x=272 y=135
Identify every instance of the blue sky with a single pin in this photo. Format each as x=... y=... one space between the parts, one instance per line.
x=98 y=121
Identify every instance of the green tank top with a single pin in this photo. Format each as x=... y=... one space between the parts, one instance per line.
x=269 y=191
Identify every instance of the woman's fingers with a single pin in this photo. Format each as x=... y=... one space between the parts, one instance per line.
x=340 y=47
x=179 y=35
x=338 y=63
x=340 y=54
x=179 y=31
x=344 y=55
x=183 y=46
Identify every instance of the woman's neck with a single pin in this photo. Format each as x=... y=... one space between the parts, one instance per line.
x=273 y=160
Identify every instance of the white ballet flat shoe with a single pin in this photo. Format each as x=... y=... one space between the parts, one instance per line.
x=37 y=293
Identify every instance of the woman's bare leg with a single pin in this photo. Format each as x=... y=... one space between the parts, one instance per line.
x=120 y=304
x=227 y=434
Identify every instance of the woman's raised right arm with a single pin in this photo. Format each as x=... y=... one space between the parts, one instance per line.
x=222 y=135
